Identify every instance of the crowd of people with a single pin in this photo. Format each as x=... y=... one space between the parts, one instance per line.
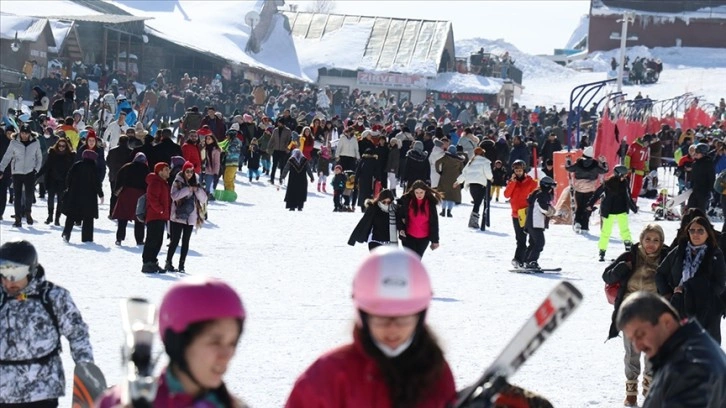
x=394 y=160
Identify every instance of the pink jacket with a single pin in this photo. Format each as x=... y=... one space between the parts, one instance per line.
x=180 y=190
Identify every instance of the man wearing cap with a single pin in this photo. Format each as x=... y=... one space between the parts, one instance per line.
x=35 y=313
x=158 y=207
x=25 y=160
x=115 y=130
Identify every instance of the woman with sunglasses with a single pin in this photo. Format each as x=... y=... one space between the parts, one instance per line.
x=378 y=224
x=55 y=171
x=693 y=276
x=187 y=211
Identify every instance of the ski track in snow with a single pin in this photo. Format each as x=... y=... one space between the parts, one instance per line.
x=294 y=272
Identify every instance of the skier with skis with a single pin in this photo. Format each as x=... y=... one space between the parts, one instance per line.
x=637 y=161
x=586 y=172
x=394 y=359
x=518 y=189
x=200 y=324
x=35 y=313
x=539 y=212
x=615 y=204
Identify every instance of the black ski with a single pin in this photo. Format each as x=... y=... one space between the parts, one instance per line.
x=540 y=270
x=557 y=307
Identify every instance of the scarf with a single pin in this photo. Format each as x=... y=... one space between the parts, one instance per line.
x=692 y=260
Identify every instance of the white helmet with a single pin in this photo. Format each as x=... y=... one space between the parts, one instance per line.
x=588 y=152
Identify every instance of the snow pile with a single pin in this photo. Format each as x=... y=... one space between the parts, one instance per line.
x=672 y=57
x=342 y=49
x=465 y=83
x=532 y=66
x=580 y=33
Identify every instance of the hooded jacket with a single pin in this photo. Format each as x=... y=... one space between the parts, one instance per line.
x=23 y=157
x=158 y=198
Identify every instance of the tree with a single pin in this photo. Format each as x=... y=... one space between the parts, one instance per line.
x=321 y=6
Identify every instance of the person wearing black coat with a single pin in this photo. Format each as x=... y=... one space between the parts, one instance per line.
x=586 y=172
x=634 y=270
x=614 y=207
x=417 y=219
x=130 y=185
x=549 y=147
x=693 y=276
x=703 y=175
x=92 y=144
x=117 y=157
x=297 y=184
x=416 y=166
x=367 y=173
x=689 y=367
x=519 y=151
x=79 y=200
x=165 y=150
x=375 y=227
x=55 y=171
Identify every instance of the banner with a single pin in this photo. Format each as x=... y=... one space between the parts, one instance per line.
x=392 y=80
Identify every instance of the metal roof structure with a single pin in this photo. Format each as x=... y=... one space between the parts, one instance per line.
x=26 y=28
x=393 y=43
x=102 y=18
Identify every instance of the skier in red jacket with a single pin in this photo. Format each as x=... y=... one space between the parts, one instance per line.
x=637 y=160
x=519 y=186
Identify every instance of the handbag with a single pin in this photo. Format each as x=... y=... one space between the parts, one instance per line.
x=611 y=291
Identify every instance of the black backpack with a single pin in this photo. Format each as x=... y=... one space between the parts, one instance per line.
x=56 y=110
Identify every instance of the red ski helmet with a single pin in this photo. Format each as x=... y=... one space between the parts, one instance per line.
x=392 y=282
x=197 y=299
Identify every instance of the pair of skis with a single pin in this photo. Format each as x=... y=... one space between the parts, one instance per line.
x=535 y=270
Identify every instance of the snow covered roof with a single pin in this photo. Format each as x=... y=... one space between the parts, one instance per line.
x=379 y=44
x=465 y=83
x=28 y=28
x=217 y=28
x=60 y=30
x=668 y=10
x=46 y=8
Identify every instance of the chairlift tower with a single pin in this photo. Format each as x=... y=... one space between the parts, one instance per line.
x=628 y=18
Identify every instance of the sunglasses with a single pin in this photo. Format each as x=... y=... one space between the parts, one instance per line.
x=12 y=271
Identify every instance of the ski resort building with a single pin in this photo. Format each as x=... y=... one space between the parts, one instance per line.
x=687 y=23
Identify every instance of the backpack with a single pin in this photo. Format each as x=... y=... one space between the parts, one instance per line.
x=718 y=185
x=44 y=296
x=141 y=208
x=56 y=110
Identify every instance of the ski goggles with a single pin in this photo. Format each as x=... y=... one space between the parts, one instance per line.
x=13 y=271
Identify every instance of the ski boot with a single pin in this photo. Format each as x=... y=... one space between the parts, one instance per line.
x=533 y=265
x=516 y=264
x=601 y=256
x=628 y=245
x=631 y=393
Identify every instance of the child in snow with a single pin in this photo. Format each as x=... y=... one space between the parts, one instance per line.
x=378 y=224
x=614 y=207
x=539 y=212
x=324 y=160
x=499 y=180
x=338 y=184
x=253 y=160
x=350 y=194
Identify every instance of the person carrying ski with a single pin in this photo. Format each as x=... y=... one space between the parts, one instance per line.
x=518 y=189
x=539 y=212
x=586 y=172
x=637 y=161
x=35 y=313
x=394 y=359
x=201 y=321
x=614 y=206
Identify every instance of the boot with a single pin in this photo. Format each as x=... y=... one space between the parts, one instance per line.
x=602 y=256
x=631 y=393
x=57 y=220
x=324 y=189
x=169 y=267
x=448 y=213
x=28 y=218
x=318 y=187
x=628 y=245
x=181 y=267
x=49 y=219
x=646 y=384
x=474 y=220
x=533 y=265
x=442 y=213
x=18 y=221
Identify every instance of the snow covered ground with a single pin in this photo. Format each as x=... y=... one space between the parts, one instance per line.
x=294 y=271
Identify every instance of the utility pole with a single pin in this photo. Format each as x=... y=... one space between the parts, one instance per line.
x=628 y=18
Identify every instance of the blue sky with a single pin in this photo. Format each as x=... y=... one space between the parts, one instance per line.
x=535 y=27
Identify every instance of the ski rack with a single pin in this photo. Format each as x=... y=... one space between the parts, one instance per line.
x=579 y=95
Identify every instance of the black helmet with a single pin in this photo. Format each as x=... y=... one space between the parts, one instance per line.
x=547 y=183
x=620 y=171
x=702 y=148
x=16 y=255
x=519 y=164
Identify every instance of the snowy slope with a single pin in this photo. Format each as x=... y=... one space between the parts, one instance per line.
x=294 y=271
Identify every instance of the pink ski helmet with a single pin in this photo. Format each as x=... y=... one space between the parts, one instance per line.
x=197 y=299
x=392 y=282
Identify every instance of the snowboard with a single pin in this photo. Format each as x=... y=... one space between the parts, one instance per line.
x=88 y=384
x=540 y=270
x=225 y=195
x=555 y=309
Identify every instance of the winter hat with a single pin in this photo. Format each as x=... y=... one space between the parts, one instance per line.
x=91 y=135
x=478 y=151
x=89 y=154
x=247 y=117
x=176 y=161
x=418 y=146
x=140 y=158
x=452 y=149
x=187 y=165
x=204 y=131
x=338 y=167
x=158 y=167
x=235 y=126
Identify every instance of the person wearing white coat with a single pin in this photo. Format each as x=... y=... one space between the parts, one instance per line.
x=476 y=175
x=347 y=151
x=25 y=159
x=440 y=146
